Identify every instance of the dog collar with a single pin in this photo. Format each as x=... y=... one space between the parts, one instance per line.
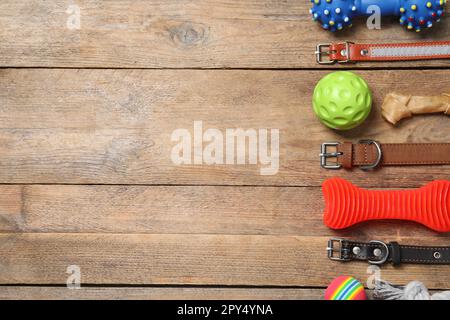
x=378 y=252
x=369 y=154
x=345 y=52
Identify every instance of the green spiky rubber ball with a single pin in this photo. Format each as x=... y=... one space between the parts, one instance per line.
x=342 y=100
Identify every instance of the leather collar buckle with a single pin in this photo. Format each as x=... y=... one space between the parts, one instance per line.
x=320 y=53
x=343 y=250
x=343 y=254
x=343 y=54
x=324 y=155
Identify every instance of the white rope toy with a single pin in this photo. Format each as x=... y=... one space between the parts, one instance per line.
x=414 y=290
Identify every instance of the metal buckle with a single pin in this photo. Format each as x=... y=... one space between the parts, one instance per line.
x=319 y=53
x=344 y=253
x=324 y=155
x=331 y=250
x=379 y=155
x=386 y=256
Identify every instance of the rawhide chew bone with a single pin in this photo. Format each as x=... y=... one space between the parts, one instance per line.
x=346 y=204
x=398 y=106
x=414 y=14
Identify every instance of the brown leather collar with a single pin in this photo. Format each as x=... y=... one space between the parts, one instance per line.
x=369 y=154
x=345 y=52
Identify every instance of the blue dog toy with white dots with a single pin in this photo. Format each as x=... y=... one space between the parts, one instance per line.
x=414 y=14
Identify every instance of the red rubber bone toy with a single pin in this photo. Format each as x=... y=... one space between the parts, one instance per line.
x=346 y=204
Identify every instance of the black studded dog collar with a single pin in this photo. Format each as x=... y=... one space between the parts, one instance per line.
x=378 y=252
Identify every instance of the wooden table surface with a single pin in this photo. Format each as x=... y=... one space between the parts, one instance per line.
x=86 y=176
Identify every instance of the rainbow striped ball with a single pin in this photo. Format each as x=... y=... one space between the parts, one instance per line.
x=345 y=288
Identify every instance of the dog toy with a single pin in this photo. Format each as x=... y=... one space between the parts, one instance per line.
x=346 y=204
x=415 y=290
x=342 y=100
x=397 y=106
x=345 y=288
x=414 y=14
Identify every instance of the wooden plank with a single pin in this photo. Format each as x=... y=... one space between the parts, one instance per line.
x=181 y=210
x=157 y=293
x=179 y=34
x=162 y=293
x=115 y=126
x=191 y=260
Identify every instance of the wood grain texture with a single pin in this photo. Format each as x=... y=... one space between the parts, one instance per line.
x=191 y=260
x=115 y=126
x=86 y=176
x=158 y=293
x=183 y=210
x=161 y=293
x=181 y=34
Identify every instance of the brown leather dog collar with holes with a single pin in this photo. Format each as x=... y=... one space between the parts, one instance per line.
x=345 y=52
x=370 y=154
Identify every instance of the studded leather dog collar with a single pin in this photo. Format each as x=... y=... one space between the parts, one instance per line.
x=369 y=154
x=378 y=252
x=353 y=52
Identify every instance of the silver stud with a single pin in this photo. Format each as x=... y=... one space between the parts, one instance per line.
x=377 y=252
x=356 y=250
x=437 y=255
x=364 y=52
